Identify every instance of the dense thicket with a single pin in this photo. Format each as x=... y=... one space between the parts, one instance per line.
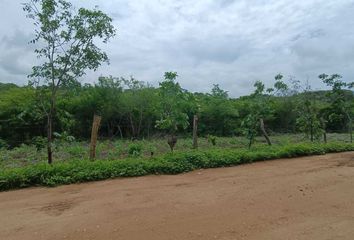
x=131 y=109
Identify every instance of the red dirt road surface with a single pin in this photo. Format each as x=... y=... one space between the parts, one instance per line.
x=305 y=198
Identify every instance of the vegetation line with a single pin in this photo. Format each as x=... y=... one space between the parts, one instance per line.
x=76 y=171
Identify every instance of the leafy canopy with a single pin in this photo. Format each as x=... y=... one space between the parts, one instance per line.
x=66 y=40
x=173 y=104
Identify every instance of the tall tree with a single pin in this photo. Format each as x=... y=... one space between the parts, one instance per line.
x=66 y=40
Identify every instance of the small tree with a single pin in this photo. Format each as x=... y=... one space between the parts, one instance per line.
x=66 y=40
x=172 y=107
x=341 y=107
x=309 y=120
x=250 y=127
x=260 y=108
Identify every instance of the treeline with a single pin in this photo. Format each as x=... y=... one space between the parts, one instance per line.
x=134 y=109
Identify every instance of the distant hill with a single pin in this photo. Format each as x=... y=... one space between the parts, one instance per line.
x=7 y=86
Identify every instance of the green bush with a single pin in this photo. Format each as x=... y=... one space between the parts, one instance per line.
x=135 y=150
x=212 y=139
x=39 y=142
x=76 y=171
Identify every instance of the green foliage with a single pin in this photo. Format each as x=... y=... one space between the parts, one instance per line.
x=3 y=144
x=152 y=149
x=66 y=38
x=250 y=126
x=173 y=105
x=280 y=87
x=309 y=116
x=218 y=115
x=39 y=142
x=66 y=41
x=77 y=171
x=135 y=149
x=64 y=137
x=131 y=108
x=261 y=108
x=217 y=92
x=340 y=110
x=310 y=125
x=72 y=150
x=22 y=155
x=20 y=117
x=212 y=139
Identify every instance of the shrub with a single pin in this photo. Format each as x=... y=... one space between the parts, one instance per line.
x=152 y=149
x=212 y=139
x=64 y=137
x=39 y=142
x=135 y=150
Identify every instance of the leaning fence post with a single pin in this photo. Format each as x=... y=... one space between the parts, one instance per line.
x=94 y=133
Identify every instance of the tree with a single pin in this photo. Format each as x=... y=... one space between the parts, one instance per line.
x=139 y=100
x=172 y=108
x=108 y=94
x=20 y=117
x=260 y=108
x=284 y=107
x=218 y=115
x=309 y=120
x=66 y=40
x=340 y=105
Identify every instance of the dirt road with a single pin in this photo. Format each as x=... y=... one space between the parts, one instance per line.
x=303 y=198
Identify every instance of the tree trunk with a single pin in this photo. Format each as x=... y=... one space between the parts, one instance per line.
x=195 y=131
x=120 y=131
x=172 y=142
x=264 y=132
x=250 y=144
x=311 y=130
x=132 y=126
x=50 y=136
x=323 y=122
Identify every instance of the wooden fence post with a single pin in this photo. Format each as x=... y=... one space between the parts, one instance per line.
x=195 y=132
x=94 y=133
x=264 y=132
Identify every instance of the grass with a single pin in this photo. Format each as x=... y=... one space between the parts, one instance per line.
x=27 y=155
x=79 y=170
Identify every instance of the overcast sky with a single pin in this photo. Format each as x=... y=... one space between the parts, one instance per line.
x=229 y=42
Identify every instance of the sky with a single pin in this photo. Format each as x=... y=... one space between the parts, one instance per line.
x=232 y=43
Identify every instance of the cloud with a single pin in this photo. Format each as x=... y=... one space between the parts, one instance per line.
x=17 y=56
x=229 y=42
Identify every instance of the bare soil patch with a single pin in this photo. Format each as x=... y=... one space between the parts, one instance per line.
x=302 y=198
